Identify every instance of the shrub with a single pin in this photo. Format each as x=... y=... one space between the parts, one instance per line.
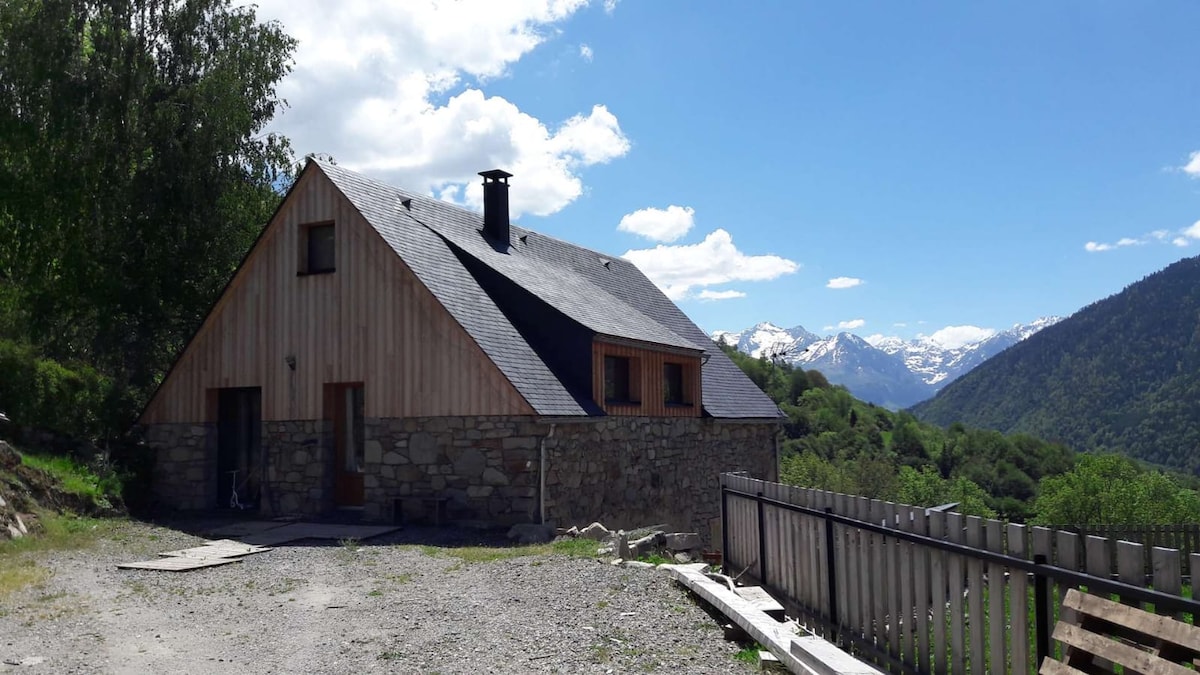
x=41 y=393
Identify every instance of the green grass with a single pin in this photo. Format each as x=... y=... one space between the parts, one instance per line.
x=58 y=533
x=749 y=654
x=655 y=559
x=575 y=548
x=75 y=477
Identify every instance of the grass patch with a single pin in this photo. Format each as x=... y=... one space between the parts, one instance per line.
x=749 y=654
x=75 y=477
x=655 y=559
x=58 y=533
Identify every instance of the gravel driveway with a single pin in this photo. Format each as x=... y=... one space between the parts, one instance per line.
x=387 y=605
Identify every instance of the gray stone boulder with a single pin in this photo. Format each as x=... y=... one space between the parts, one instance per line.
x=595 y=531
x=682 y=541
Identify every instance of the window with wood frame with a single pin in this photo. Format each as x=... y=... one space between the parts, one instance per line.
x=617 y=376
x=319 y=248
x=673 y=391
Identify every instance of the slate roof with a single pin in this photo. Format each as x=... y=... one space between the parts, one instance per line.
x=613 y=299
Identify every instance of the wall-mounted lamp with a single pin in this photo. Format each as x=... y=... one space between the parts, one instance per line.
x=704 y=358
x=291 y=361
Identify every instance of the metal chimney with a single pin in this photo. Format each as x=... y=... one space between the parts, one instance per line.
x=495 y=205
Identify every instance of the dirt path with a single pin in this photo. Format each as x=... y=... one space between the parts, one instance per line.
x=390 y=606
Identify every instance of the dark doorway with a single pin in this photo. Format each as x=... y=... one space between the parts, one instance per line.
x=239 y=447
x=345 y=405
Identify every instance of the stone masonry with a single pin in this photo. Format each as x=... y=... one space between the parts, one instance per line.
x=185 y=470
x=624 y=471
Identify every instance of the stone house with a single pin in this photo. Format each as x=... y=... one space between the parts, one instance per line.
x=385 y=352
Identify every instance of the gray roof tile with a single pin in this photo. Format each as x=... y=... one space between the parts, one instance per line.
x=614 y=299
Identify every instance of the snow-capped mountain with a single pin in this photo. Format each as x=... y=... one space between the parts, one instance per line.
x=885 y=370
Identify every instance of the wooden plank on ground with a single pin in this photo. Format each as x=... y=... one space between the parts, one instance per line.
x=222 y=548
x=177 y=564
x=777 y=637
x=761 y=600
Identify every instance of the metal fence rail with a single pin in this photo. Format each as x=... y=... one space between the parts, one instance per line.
x=917 y=591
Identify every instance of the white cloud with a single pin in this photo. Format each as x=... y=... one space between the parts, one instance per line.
x=369 y=88
x=953 y=337
x=720 y=295
x=1182 y=238
x=585 y=53
x=610 y=6
x=852 y=324
x=1192 y=168
x=900 y=324
x=679 y=269
x=659 y=224
x=844 y=282
x=827 y=328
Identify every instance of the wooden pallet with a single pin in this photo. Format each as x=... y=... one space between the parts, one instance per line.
x=1106 y=633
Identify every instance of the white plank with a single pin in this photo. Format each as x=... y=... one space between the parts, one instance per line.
x=976 y=621
x=1018 y=598
x=938 y=560
x=957 y=567
x=995 y=610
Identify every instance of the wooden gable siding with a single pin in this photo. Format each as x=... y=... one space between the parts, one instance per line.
x=369 y=321
x=646 y=381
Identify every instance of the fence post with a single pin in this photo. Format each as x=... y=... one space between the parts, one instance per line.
x=762 y=541
x=724 y=528
x=829 y=564
x=1041 y=611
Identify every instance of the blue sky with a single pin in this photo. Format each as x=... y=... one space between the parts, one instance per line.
x=956 y=158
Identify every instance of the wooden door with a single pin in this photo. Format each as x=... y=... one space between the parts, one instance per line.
x=349 y=454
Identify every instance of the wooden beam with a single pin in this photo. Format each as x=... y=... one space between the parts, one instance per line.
x=806 y=654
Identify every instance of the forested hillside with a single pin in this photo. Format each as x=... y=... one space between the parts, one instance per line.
x=1122 y=374
x=834 y=441
x=135 y=173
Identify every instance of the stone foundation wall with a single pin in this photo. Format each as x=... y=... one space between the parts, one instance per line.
x=629 y=472
x=623 y=471
x=299 y=467
x=185 y=468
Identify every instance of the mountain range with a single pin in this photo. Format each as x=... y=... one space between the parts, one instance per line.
x=888 y=371
x=1121 y=374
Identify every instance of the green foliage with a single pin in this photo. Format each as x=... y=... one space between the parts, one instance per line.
x=136 y=174
x=98 y=487
x=1121 y=375
x=1112 y=489
x=836 y=442
x=43 y=393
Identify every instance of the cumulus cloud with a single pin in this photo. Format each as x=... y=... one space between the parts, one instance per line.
x=585 y=53
x=370 y=88
x=610 y=6
x=720 y=295
x=659 y=224
x=851 y=324
x=953 y=337
x=1192 y=168
x=678 y=269
x=844 y=282
x=1182 y=238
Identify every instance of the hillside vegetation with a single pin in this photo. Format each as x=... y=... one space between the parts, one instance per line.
x=834 y=441
x=1122 y=374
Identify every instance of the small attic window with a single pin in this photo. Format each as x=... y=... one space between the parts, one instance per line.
x=319 y=248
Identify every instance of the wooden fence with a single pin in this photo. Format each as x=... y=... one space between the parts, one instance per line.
x=1185 y=538
x=917 y=591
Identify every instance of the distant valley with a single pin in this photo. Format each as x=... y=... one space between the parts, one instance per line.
x=886 y=371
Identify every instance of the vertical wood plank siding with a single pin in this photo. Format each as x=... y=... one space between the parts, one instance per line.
x=369 y=321
x=646 y=381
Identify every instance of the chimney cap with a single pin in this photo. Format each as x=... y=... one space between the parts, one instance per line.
x=495 y=174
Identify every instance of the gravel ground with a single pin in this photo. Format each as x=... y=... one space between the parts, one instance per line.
x=393 y=604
